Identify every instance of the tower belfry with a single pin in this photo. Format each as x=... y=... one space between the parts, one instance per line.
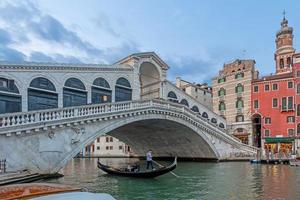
x=284 y=47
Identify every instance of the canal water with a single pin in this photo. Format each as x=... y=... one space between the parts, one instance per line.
x=212 y=181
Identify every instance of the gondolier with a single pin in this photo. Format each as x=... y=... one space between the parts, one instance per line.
x=149 y=159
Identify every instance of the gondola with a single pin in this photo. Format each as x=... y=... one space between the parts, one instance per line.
x=138 y=174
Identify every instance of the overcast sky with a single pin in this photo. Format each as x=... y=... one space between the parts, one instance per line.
x=193 y=37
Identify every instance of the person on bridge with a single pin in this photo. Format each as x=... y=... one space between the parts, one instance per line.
x=149 y=159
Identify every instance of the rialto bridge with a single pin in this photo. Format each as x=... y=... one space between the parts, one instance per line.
x=49 y=112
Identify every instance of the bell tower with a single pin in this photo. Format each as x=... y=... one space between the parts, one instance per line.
x=284 y=47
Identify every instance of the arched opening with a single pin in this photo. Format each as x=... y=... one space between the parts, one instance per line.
x=195 y=109
x=101 y=92
x=10 y=99
x=256 y=121
x=150 y=81
x=205 y=115
x=221 y=92
x=184 y=102
x=213 y=120
x=172 y=97
x=221 y=125
x=241 y=134
x=74 y=93
x=123 y=91
x=42 y=94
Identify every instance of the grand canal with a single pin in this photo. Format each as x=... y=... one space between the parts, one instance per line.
x=224 y=180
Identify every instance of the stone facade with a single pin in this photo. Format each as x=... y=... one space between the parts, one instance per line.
x=201 y=92
x=232 y=97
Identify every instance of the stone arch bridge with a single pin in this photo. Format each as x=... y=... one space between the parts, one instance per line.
x=44 y=141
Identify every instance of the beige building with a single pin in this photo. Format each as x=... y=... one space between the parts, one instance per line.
x=232 y=97
x=108 y=146
x=200 y=92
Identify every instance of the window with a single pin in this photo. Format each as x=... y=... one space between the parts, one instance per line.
x=267 y=132
x=222 y=92
x=10 y=99
x=298 y=89
x=172 y=96
x=275 y=103
x=107 y=147
x=239 y=103
x=184 y=102
x=290 y=84
x=240 y=130
x=298 y=110
x=111 y=139
x=74 y=93
x=42 y=94
x=255 y=88
x=123 y=91
x=281 y=63
x=298 y=129
x=290 y=119
x=101 y=92
x=290 y=103
x=222 y=106
x=275 y=86
x=288 y=62
x=213 y=120
x=239 y=88
x=120 y=147
x=239 y=75
x=196 y=89
x=221 y=80
x=107 y=139
x=267 y=120
x=111 y=147
x=283 y=104
x=267 y=87
x=98 y=140
x=98 y=148
x=195 y=109
x=256 y=104
x=298 y=73
x=205 y=115
x=291 y=132
x=239 y=118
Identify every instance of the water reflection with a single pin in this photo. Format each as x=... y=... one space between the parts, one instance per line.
x=228 y=180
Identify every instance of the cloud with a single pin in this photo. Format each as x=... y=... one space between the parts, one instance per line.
x=33 y=35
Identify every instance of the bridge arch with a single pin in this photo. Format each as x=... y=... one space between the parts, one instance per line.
x=191 y=139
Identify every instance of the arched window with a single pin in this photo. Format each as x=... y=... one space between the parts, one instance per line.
x=184 y=102
x=213 y=120
x=298 y=110
x=288 y=62
x=195 y=109
x=205 y=115
x=123 y=90
x=239 y=88
x=298 y=129
x=298 y=89
x=101 y=92
x=281 y=63
x=221 y=125
x=222 y=106
x=239 y=103
x=239 y=75
x=42 y=94
x=74 y=93
x=222 y=92
x=10 y=99
x=172 y=96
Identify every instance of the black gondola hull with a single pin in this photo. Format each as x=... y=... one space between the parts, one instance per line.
x=144 y=174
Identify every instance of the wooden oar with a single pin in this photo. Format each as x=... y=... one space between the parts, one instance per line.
x=163 y=166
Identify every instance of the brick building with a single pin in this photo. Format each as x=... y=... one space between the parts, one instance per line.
x=275 y=100
x=231 y=97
